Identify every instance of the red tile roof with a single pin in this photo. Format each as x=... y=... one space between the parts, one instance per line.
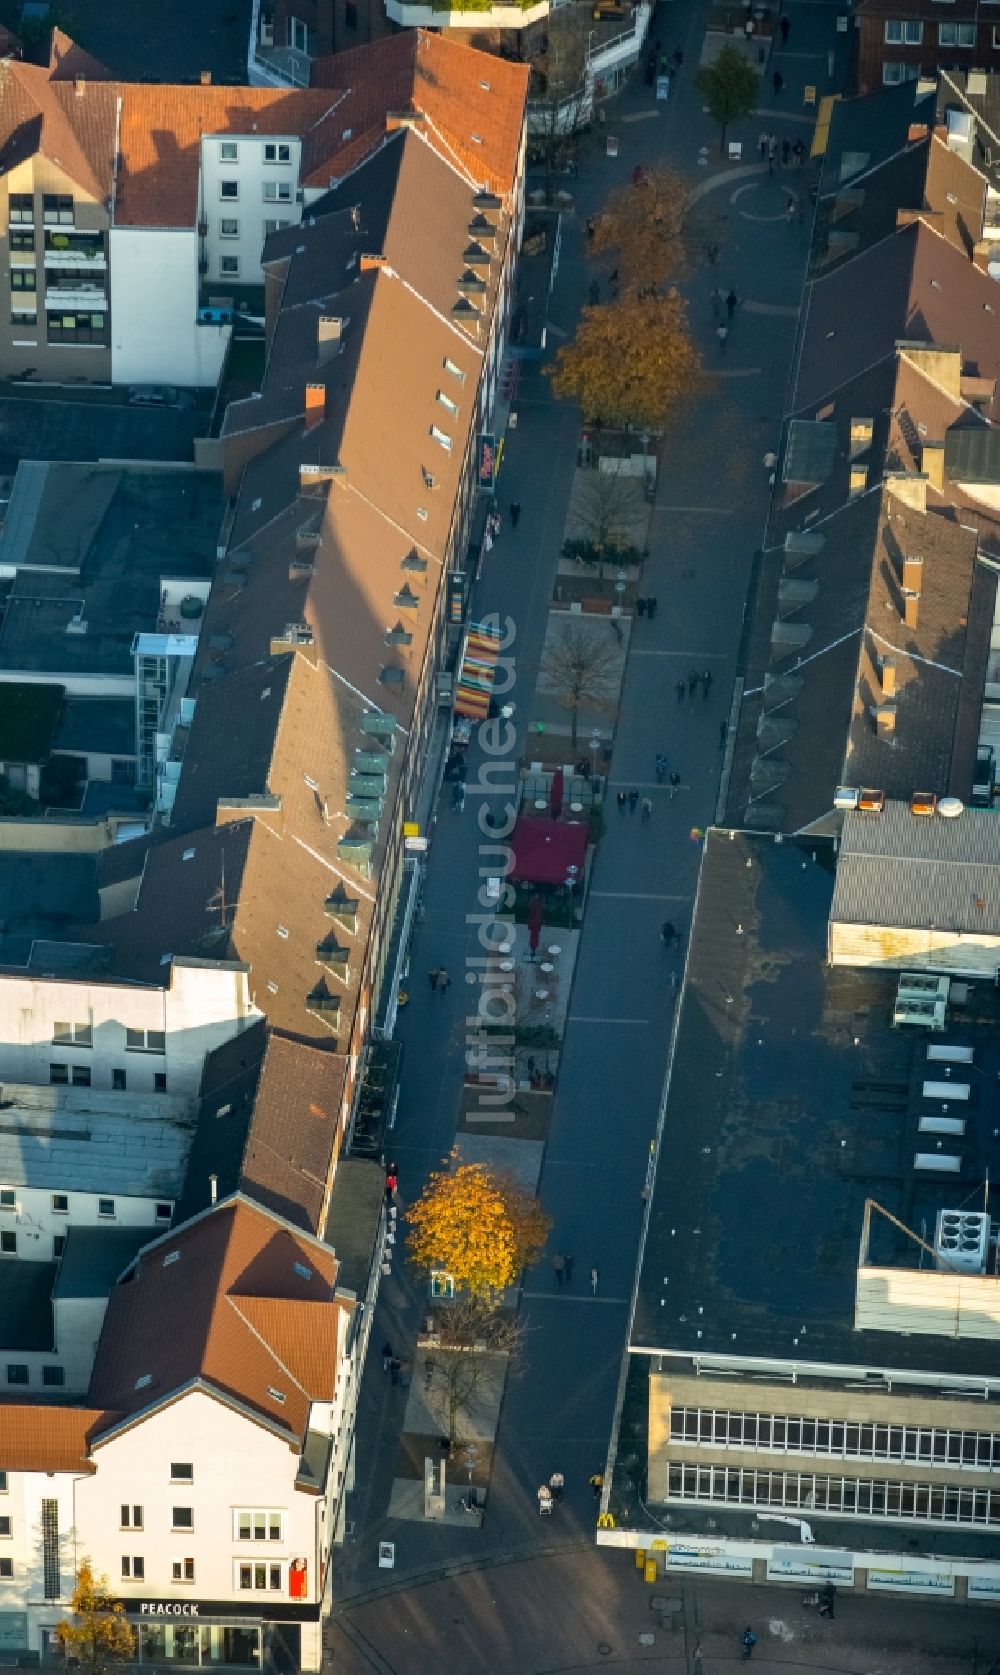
x=37 y=1437
x=235 y=1299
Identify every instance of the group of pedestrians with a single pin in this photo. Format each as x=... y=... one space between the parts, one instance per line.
x=439 y=979
x=563 y=1265
x=646 y=607
x=688 y=688
x=630 y=799
x=398 y=1369
x=549 y=1493
x=779 y=153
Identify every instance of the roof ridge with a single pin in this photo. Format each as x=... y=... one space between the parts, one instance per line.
x=272 y=1352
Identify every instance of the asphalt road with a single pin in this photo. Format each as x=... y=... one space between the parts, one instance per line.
x=709 y=516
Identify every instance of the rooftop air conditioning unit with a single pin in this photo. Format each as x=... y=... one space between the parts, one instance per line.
x=962 y=1241
x=922 y=985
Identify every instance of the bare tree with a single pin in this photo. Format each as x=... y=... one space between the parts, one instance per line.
x=472 y=1332
x=560 y=95
x=603 y=511
x=582 y=670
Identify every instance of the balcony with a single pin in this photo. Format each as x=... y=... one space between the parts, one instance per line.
x=91 y=298
x=442 y=15
x=75 y=250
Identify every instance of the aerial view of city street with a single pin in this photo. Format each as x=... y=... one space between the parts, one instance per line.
x=500 y=845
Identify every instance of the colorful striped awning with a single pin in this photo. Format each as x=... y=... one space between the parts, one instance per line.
x=475 y=682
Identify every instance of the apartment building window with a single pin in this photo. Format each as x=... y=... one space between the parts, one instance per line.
x=229 y=151
x=50 y=1549
x=72 y=1035
x=21 y=207
x=159 y=1081
x=17 y=1372
x=841 y=1438
x=181 y=1471
x=21 y=240
x=852 y=1496
x=77 y=328
x=57 y=209
x=8 y=1244
x=3 y=1483
x=182 y=1570
x=297 y=34
x=228 y=228
x=21 y=317
x=145 y=1041
x=119 y=1081
x=255 y=1525
x=6 y=1569
x=183 y=1518
x=229 y=189
x=277 y=192
x=903 y=32
x=164 y=1212
x=894 y=72
x=8 y=1197
x=53 y=1377
x=350 y=15
x=956 y=34
x=996 y=38
x=58 y=1074
x=260 y=1578
x=455 y=371
x=229 y=267
x=106 y=1207
x=441 y=438
x=23 y=279
x=60 y=1204
x=80 y=1075
x=133 y=1568
x=6 y=1527
x=131 y=1518
x=274 y=153
x=274 y=227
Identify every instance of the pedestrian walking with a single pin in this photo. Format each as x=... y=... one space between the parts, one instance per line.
x=692 y=682
x=678 y=58
x=777 y=82
x=444 y=981
x=613 y=277
x=515 y=513
x=544 y=1501
x=394 y=1368
x=633 y=798
x=790 y=211
x=559 y=1264
x=784 y=25
x=799 y=153
x=637 y=175
x=706 y=681
x=661 y=768
x=772 y=152
x=596 y=1480
x=647 y=809
x=557 y=1484
x=762 y=146
x=732 y=301
x=651 y=606
x=433 y=975
x=386 y=1356
x=722 y=333
x=640 y=607
x=675 y=780
x=723 y=731
x=569 y=1269
x=621 y=802
x=712 y=252
x=786 y=152
x=668 y=931
x=748 y=1640
x=680 y=690
x=594 y=1280
x=718 y=302
x=391 y=1182
x=591 y=226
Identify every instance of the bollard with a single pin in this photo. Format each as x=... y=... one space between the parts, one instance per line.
x=649 y=1571
x=640 y=1558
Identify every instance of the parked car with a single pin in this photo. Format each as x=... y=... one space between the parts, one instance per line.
x=159 y=395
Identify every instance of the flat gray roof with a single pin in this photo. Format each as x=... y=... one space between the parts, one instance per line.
x=93 y=1258
x=100 y=725
x=26 y=1304
x=42 y=896
x=94 y=1140
x=920 y=872
x=354 y=1218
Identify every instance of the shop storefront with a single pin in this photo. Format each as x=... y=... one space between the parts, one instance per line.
x=215 y=1634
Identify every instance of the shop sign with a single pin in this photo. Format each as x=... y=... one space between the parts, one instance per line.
x=681 y=1557
x=984 y=1584
x=486 y=454
x=252 y=1607
x=811 y=1564
x=912 y=1581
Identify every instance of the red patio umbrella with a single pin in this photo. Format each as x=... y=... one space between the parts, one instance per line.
x=534 y=923
x=556 y=794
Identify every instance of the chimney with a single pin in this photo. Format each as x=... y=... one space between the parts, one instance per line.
x=911 y=609
x=932 y=461
x=315 y=405
x=79 y=86
x=885 y=720
x=913 y=569
x=213 y=1188
x=329 y=336
x=366 y=263
x=205 y=77
x=887 y=673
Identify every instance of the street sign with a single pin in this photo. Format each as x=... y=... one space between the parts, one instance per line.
x=387 y=1555
x=663 y=87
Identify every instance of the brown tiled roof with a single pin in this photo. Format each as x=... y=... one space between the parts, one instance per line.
x=67 y=60
x=247 y=1306
x=477 y=126
x=161 y=133
x=296 y=1130
x=74 y=131
x=36 y=1436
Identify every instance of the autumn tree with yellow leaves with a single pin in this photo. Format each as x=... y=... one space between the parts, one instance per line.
x=98 y=1633
x=477 y=1225
x=630 y=363
x=650 y=229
